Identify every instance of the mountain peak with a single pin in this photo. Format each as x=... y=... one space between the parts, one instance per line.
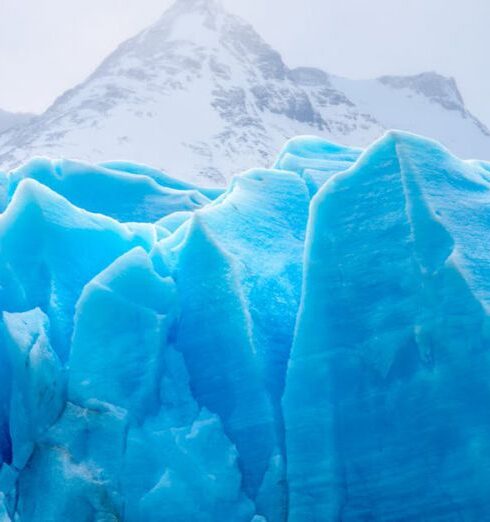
x=187 y=20
x=203 y=6
x=199 y=3
x=433 y=85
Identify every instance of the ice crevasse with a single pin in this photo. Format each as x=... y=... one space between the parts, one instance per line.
x=310 y=344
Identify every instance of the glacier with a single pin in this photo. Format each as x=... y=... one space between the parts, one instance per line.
x=309 y=344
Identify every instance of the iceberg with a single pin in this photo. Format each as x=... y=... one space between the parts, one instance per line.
x=310 y=344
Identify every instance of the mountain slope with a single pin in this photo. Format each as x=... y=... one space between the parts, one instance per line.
x=202 y=96
x=9 y=120
x=427 y=104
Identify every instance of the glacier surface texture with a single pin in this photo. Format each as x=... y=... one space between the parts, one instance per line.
x=310 y=344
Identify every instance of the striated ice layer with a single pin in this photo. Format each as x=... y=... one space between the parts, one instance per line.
x=311 y=344
x=387 y=391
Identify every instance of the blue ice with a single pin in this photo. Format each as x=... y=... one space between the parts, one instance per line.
x=309 y=344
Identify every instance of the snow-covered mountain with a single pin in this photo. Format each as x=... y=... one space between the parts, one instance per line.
x=201 y=95
x=9 y=120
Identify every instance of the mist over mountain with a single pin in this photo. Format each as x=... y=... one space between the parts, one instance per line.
x=202 y=96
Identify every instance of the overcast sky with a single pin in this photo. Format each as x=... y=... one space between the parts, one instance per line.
x=47 y=46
